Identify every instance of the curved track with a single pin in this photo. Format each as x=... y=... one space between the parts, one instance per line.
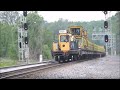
x=14 y=73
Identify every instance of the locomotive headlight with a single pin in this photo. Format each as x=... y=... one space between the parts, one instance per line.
x=79 y=46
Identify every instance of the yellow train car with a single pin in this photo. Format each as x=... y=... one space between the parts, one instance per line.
x=76 y=31
x=90 y=45
x=55 y=46
x=64 y=42
x=101 y=49
x=73 y=44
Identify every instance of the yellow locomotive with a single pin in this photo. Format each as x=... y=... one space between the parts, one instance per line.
x=73 y=44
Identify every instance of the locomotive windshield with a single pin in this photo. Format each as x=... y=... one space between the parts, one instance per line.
x=64 y=38
x=75 y=31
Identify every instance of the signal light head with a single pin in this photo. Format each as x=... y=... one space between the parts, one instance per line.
x=106 y=38
x=25 y=13
x=20 y=44
x=105 y=24
x=25 y=26
x=105 y=12
x=26 y=40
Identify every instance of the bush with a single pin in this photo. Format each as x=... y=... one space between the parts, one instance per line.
x=46 y=52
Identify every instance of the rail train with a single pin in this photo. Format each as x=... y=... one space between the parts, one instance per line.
x=73 y=44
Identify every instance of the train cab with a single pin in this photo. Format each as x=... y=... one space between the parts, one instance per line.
x=64 y=40
x=76 y=31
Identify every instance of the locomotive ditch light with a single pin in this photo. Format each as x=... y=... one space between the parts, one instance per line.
x=25 y=13
x=26 y=40
x=105 y=24
x=25 y=26
x=106 y=38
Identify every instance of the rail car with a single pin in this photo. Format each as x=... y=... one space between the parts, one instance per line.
x=73 y=44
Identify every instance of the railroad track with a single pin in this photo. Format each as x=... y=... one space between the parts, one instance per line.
x=21 y=72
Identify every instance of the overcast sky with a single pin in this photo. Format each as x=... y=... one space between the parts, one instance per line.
x=52 y=16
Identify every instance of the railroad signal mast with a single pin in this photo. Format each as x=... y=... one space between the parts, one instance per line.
x=106 y=29
x=110 y=37
x=23 y=39
x=106 y=35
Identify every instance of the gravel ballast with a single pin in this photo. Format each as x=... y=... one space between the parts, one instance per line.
x=101 y=68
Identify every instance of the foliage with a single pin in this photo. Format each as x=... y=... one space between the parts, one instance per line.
x=35 y=25
x=8 y=41
x=9 y=17
x=46 y=52
x=6 y=62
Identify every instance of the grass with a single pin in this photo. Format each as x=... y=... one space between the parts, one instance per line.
x=5 y=62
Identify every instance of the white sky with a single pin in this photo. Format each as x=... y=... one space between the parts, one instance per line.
x=51 y=16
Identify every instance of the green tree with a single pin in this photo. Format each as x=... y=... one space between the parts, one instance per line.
x=9 y=17
x=35 y=33
x=46 y=52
